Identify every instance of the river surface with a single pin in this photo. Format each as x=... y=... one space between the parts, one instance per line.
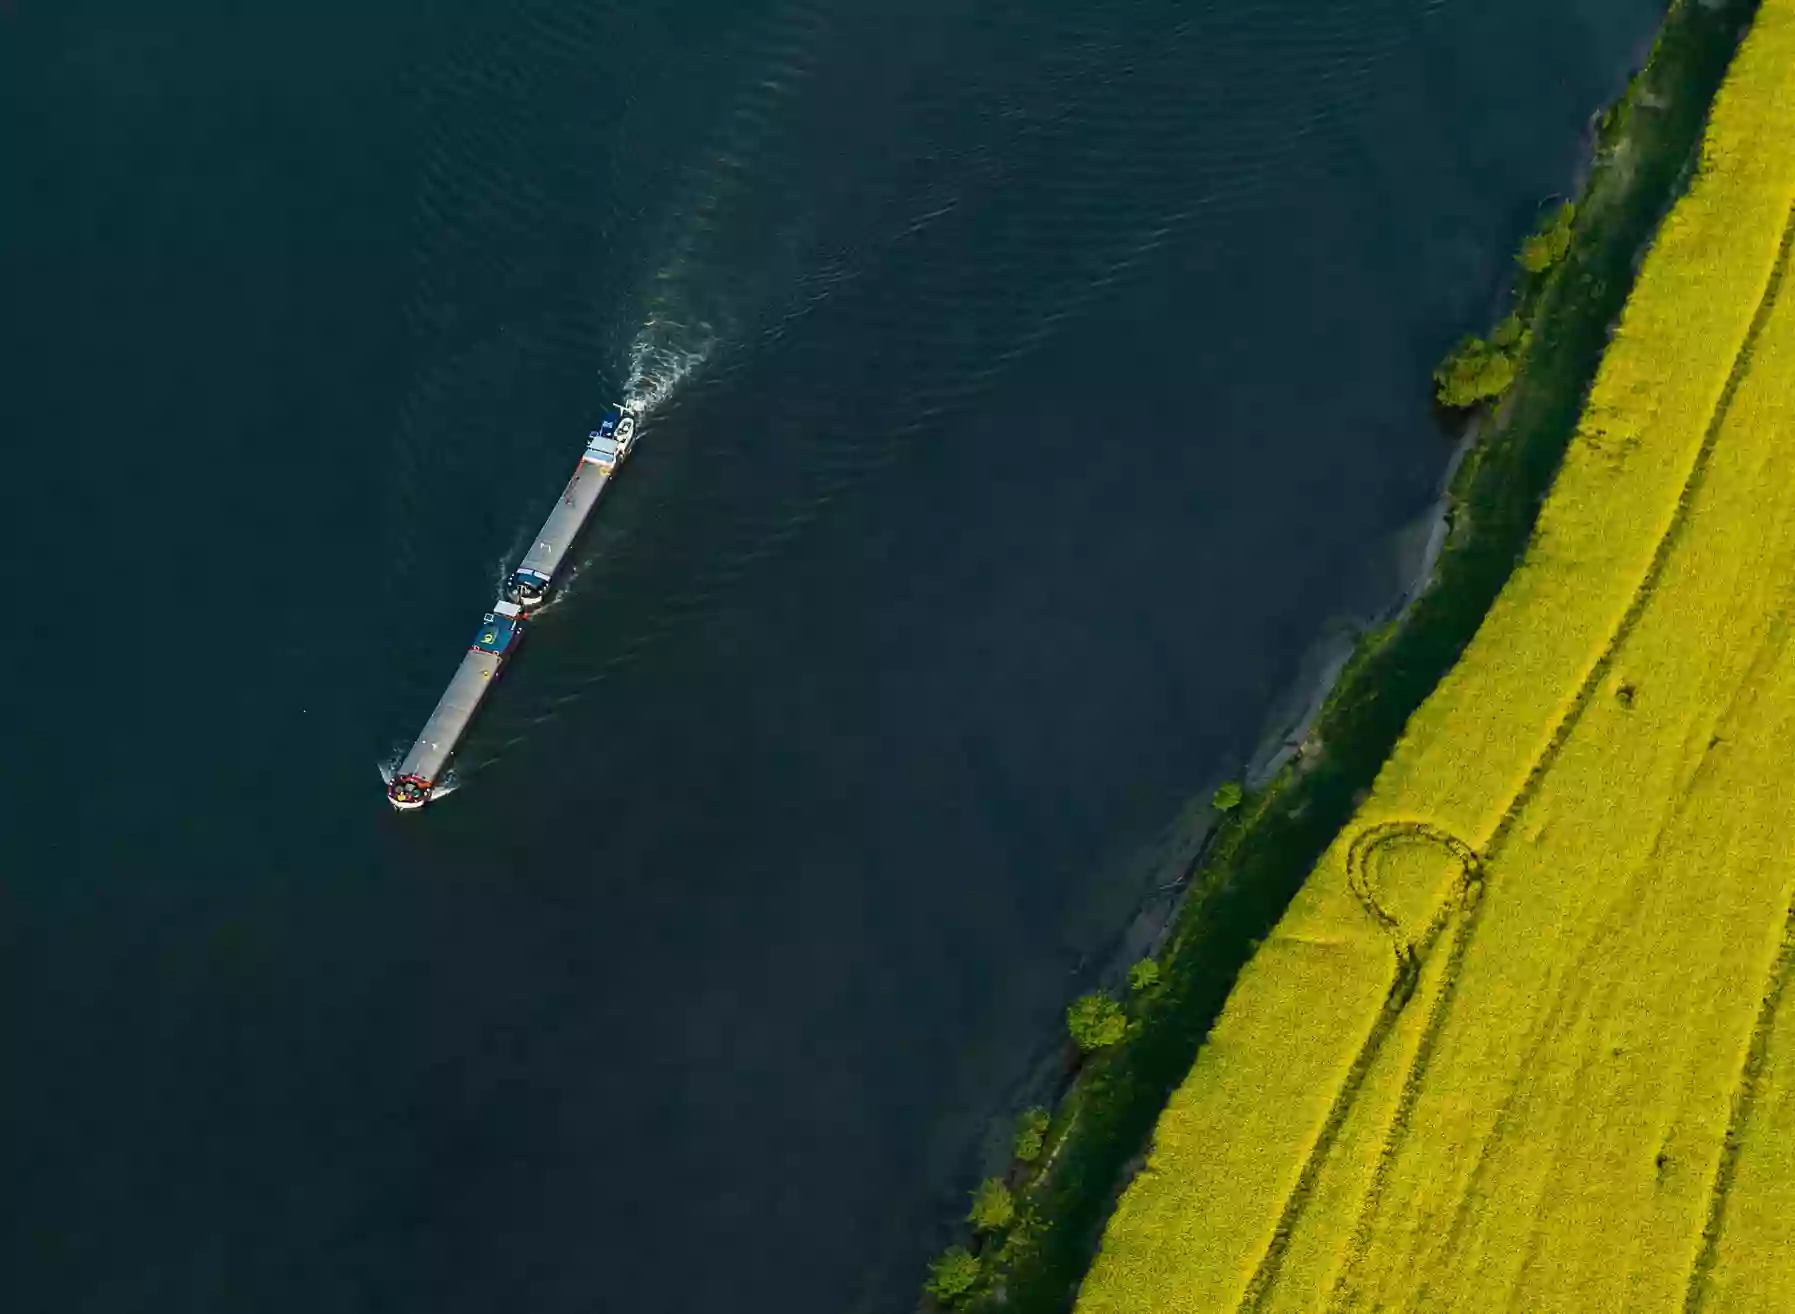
x=1035 y=381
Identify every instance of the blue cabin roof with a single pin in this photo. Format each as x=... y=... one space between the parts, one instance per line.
x=496 y=634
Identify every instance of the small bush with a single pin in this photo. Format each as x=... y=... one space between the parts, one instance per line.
x=1096 y=1021
x=1143 y=976
x=1476 y=371
x=1031 y=1134
x=1228 y=797
x=993 y=1207
x=1481 y=370
x=1550 y=243
x=1512 y=335
x=952 y=1275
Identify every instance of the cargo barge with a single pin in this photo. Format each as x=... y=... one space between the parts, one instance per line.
x=501 y=629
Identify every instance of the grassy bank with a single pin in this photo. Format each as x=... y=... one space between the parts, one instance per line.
x=1267 y=848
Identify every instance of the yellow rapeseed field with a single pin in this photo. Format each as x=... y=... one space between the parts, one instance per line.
x=1522 y=1041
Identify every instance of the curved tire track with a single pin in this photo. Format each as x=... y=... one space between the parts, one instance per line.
x=1408 y=953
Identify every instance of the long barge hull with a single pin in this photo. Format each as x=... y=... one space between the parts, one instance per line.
x=501 y=629
x=443 y=731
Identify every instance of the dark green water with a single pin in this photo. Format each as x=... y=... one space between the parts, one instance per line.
x=1040 y=378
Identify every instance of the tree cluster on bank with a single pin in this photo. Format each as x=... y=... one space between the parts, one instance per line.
x=1095 y=1022
x=1480 y=370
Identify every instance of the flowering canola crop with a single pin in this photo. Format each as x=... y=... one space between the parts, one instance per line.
x=1525 y=1039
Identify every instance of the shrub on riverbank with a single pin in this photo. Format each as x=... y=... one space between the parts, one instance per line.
x=1096 y=1022
x=1480 y=370
x=1551 y=242
x=1031 y=1134
x=1477 y=371
x=953 y=1275
x=993 y=1207
x=1143 y=976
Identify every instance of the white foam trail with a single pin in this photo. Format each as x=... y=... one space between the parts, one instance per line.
x=502 y=567
x=692 y=303
x=664 y=355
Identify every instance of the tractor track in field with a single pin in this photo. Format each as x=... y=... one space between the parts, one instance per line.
x=1743 y=1104
x=1469 y=901
x=1570 y=996
x=1667 y=543
x=1409 y=953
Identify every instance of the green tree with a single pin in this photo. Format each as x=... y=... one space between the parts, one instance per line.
x=1550 y=243
x=1536 y=254
x=1096 y=1021
x=1143 y=976
x=1476 y=371
x=993 y=1207
x=1511 y=335
x=952 y=1275
x=1227 y=797
x=1031 y=1134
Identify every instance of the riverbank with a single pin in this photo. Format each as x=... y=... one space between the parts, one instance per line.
x=1417 y=549
x=1643 y=151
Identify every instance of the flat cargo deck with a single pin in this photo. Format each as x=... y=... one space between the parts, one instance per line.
x=443 y=731
x=501 y=628
x=565 y=521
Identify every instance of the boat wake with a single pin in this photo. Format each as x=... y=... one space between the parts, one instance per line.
x=698 y=296
x=667 y=351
